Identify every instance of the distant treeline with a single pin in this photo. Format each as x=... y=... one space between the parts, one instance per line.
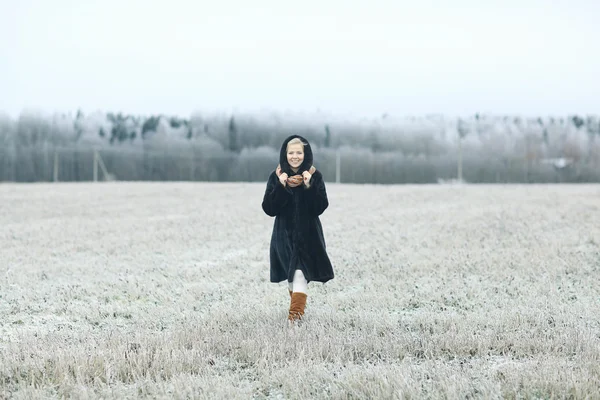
x=224 y=147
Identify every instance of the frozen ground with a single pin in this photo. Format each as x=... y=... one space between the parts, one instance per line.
x=123 y=290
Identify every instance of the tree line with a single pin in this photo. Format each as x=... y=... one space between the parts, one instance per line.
x=36 y=147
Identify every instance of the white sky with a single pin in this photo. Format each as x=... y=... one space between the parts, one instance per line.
x=344 y=57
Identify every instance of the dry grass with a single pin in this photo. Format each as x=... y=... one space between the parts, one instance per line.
x=125 y=290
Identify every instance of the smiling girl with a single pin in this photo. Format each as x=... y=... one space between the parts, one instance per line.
x=296 y=197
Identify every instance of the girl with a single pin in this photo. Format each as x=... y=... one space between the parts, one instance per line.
x=296 y=196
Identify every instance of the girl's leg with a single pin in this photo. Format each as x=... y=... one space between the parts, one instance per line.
x=300 y=284
x=298 y=301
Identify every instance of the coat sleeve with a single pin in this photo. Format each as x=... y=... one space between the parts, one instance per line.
x=276 y=197
x=316 y=195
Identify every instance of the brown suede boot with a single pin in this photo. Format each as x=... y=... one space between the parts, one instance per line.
x=297 y=306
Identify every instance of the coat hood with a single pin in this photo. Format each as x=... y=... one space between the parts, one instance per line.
x=308 y=157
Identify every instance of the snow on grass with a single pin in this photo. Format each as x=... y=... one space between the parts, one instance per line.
x=162 y=290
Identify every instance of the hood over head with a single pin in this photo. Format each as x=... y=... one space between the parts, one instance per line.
x=308 y=157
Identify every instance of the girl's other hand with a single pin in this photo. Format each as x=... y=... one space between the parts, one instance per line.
x=283 y=179
x=307 y=177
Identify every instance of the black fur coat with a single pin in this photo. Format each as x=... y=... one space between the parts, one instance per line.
x=297 y=241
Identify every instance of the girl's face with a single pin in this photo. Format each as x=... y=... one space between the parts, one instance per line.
x=295 y=155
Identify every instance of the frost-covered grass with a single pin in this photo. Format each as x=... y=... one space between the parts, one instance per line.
x=122 y=290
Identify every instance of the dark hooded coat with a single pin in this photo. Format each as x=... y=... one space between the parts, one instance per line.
x=297 y=241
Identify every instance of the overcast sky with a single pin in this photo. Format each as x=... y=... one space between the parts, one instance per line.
x=340 y=56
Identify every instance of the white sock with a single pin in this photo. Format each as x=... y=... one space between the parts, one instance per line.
x=300 y=283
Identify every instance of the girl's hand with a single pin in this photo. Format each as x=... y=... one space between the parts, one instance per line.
x=307 y=177
x=283 y=179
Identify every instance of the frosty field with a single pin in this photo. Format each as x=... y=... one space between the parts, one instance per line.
x=161 y=290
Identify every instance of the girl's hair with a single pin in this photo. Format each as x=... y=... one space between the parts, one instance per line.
x=297 y=141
